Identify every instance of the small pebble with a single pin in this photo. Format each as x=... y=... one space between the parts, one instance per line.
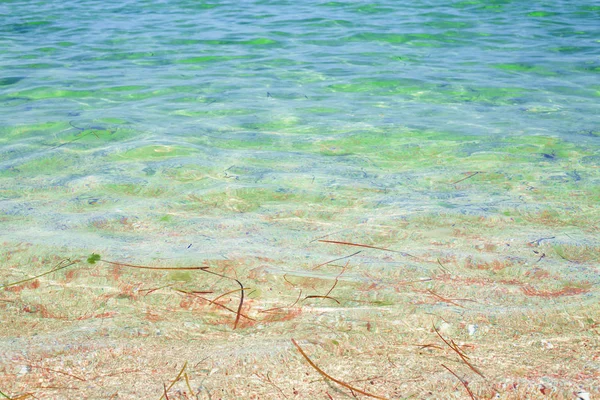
x=583 y=395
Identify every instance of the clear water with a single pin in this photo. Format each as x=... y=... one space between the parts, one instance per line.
x=141 y=127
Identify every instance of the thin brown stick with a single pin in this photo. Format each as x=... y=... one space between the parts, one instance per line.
x=463 y=357
x=445 y=300
x=268 y=379
x=216 y=304
x=332 y=287
x=285 y=279
x=155 y=268
x=337 y=279
x=23 y=396
x=239 y=310
x=57 y=268
x=187 y=382
x=58 y=372
x=155 y=289
x=337 y=259
x=330 y=234
x=443 y=268
x=425 y=346
x=461 y=381
x=281 y=308
x=357 y=245
x=464 y=179
x=173 y=383
x=321 y=297
x=165 y=395
x=320 y=371
x=225 y=294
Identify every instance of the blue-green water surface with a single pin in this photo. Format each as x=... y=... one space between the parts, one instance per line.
x=123 y=120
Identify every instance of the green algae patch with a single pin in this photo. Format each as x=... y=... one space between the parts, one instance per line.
x=398 y=150
x=94 y=136
x=380 y=86
x=226 y=112
x=143 y=190
x=249 y=199
x=541 y=14
x=52 y=165
x=155 y=152
x=260 y=42
x=275 y=124
x=546 y=147
x=180 y=276
x=525 y=68
x=321 y=110
x=23 y=131
x=209 y=59
x=259 y=142
x=43 y=93
x=191 y=173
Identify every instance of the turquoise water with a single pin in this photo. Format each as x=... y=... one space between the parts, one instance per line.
x=353 y=174
x=125 y=120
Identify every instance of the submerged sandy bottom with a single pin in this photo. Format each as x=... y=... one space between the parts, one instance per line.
x=436 y=266
x=397 y=301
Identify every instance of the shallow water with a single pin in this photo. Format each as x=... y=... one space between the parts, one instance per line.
x=124 y=122
x=299 y=99
x=276 y=141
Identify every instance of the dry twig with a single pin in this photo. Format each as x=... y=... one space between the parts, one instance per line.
x=320 y=371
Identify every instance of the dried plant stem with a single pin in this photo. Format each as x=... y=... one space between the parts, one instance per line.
x=58 y=267
x=59 y=372
x=320 y=371
x=281 y=308
x=337 y=279
x=464 y=179
x=225 y=294
x=19 y=397
x=463 y=356
x=177 y=378
x=357 y=245
x=187 y=382
x=119 y=264
x=445 y=300
x=322 y=297
x=239 y=310
x=337 y=259
x=461 y=381
x=203 y=269
x=216 y=304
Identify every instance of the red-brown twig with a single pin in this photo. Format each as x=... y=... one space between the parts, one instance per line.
x=337 y=259
x=281 y=308
x=239 y=310
x=177 y=378
x=445 y=300
x=320 y=371
x=58 y=372
x=357 y=245
x=463 y=356
x=322 y=297
x=119 y=264
x=58 y=267
x=216 y=304
x=461 y=381
x=464 y=179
